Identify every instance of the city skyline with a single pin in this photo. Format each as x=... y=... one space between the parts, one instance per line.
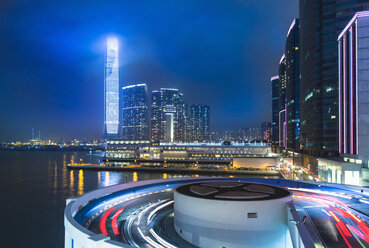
x=53 y=82
x=167 y=124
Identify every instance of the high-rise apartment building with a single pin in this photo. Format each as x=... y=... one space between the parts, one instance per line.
x=265 y=131
x=320 y=24
x=200 y=123
x=111 y=91
x=292 y=90
x=167 y=105
x=253 y=134
x=215 y=136
x=229 y=135
x=135 y=119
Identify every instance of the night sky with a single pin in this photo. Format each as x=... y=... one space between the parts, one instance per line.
x=217 y=52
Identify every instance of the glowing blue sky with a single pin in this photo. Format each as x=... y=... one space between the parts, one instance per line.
x=220 y=53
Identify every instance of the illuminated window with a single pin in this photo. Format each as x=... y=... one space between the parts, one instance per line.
x=309 y=96
x=328 y=89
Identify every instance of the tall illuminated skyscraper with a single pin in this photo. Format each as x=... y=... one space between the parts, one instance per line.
x=282 y=123
x=111 y=88
x=293 y=86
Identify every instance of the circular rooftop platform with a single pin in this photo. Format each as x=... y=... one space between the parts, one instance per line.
x=235 y=191
x=219 y=213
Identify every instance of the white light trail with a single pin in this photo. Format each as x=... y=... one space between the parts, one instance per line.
x=157 y=209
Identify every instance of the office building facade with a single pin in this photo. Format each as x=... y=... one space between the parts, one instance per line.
x=112 y=91
x=292 y=92
x=353 y=78
x=320 y=24
x=135 y=119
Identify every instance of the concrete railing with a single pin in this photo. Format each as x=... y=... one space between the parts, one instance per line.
x=300 y=236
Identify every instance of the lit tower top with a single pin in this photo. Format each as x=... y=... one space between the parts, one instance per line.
x=111 y=86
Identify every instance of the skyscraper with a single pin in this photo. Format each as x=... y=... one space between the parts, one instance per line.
x=156 y=116
x=293 y=86
x=282 y=119
x=166 y=105
x=353 y=54
x=135 y=119
x=320 y=24
x=111 y=88
x=200 y=123
x=275 y=112
x=169 y=127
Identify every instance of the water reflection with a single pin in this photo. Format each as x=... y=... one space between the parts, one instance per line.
x=71 y=182
x=34 y=176
x=55 y=179
x=64 y=172
x=107 y=178
x=80 y=182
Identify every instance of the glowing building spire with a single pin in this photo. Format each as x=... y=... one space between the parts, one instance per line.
x=111 y=87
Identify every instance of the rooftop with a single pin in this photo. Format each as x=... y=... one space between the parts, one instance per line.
x=232 y=191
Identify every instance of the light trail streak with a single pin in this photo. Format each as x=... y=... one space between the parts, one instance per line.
x=162 y=241
x=129 y=229
x=145 y=211
x=352 y=230
x=336 y=208
x=116 y=215
x=364 y=201
x=334 y=216
x=343 y=236
x=149 y=240
x=114 y=221
x=321 y=192
x=157 y=209
x=119 y=202
x=103 y=221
